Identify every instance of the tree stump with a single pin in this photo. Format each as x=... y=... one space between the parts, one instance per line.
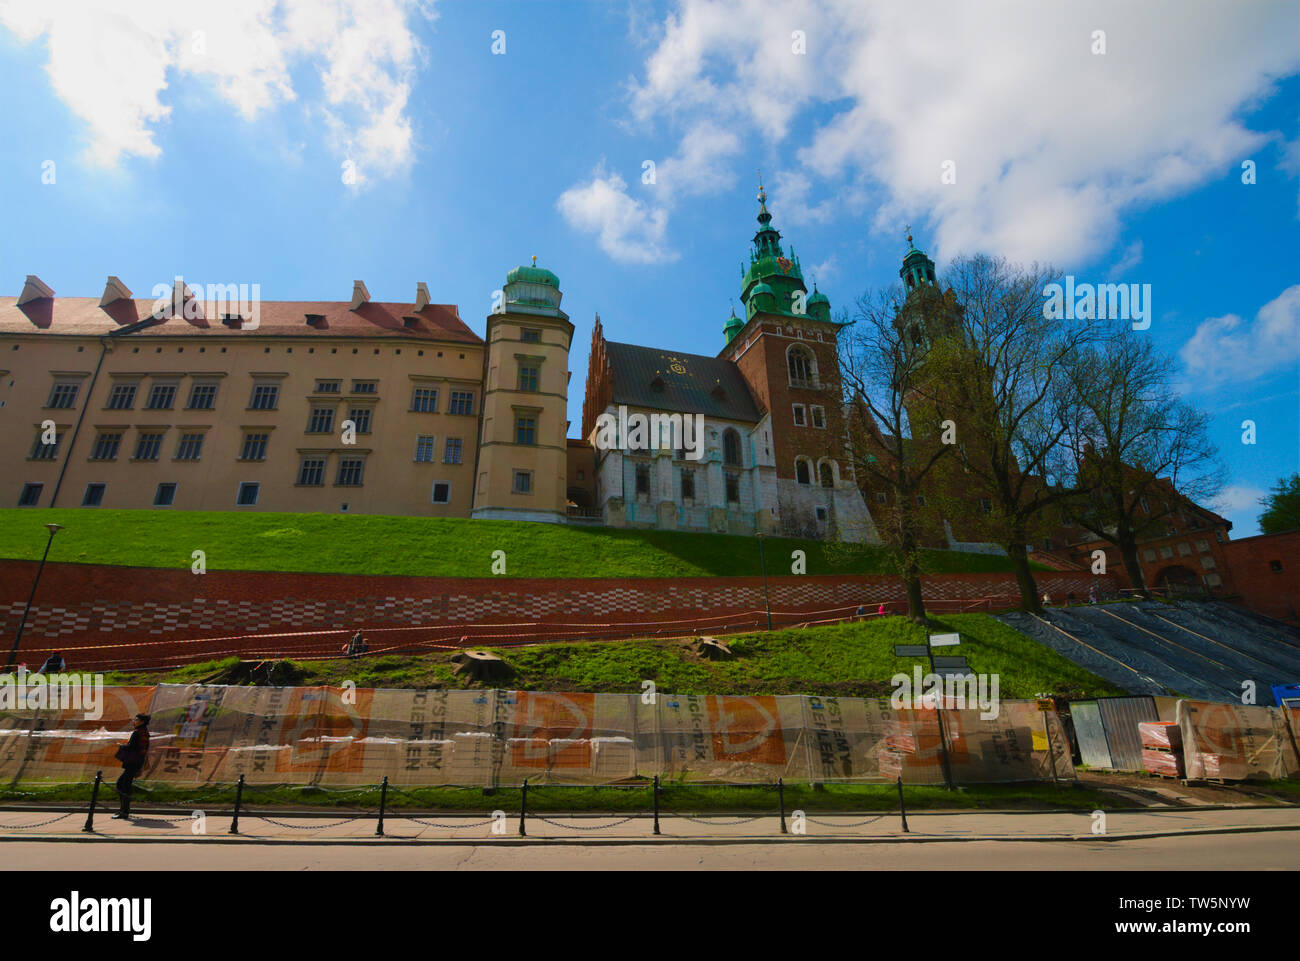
x=481 y=666
x=712 y=649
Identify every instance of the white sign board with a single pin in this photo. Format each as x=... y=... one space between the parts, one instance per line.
x=944 y=640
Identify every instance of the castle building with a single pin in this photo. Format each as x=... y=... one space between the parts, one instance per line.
x=776 y=456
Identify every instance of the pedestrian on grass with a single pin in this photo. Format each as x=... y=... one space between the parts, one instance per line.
x=132 y=755
x=54 y=664
x=1092 y=594
x=356 y=647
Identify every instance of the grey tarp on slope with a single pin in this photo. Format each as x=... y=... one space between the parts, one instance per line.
x=1236 y=646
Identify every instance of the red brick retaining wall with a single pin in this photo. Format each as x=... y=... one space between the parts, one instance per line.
x=102 y=616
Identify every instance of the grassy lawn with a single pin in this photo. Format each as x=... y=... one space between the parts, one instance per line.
x=620 y=799
x=447 y=547
x=848 y=660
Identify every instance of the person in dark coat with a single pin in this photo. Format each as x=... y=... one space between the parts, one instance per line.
x=53 y=664
x=132 y=756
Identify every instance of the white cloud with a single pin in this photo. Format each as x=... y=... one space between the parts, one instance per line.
x=628 y=230
x=1227 y=349
x=1130 y=258
x=1052 y=144
x=113 y=67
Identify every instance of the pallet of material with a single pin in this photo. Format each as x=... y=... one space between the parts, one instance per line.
x=1164 y=763
x=1161 y=735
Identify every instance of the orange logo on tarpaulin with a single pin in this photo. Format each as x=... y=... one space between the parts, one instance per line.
x=541 y=718
x=746 y=729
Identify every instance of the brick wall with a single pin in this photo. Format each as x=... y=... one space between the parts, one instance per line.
x=101 y=616
x=1266 y=573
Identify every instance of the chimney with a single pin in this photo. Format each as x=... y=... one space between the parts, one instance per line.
x=360 y=295
x=421 y=297
x=114 y=290
x=34 y=289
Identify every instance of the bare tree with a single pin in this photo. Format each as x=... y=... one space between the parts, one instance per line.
x=1139 y=451
x=880 y=377
x=997 y=372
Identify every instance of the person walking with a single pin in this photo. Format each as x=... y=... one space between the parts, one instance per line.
x=54 y=664
x=132 y=755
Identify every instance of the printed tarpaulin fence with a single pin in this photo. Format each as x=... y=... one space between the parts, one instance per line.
x=335 y=736
x=1235 y=741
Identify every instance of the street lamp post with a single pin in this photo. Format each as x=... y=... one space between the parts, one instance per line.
x=13 y=652
x=762 y=563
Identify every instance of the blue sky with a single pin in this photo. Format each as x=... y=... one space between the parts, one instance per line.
x=191 y=138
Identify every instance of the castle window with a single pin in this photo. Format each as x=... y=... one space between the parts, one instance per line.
x=530 y=335
x=802 y=367
x=882 y=497
x=818 y=416
x=523 y=482
x=424 y=449
x=163 y=396
x=526 y=430
x=688 y=485
x=643 y=479
x=733 y=488
x=528 y=376
x=799 y=419
x=801 y=472
x=731 y=448
x=827 y=475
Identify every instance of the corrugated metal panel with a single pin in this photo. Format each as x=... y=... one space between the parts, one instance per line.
x=1090 y=733
x=1120 y=717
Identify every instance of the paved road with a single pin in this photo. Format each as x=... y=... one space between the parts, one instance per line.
x=1273 y=851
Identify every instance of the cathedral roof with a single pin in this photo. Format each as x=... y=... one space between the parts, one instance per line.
x=655 y=379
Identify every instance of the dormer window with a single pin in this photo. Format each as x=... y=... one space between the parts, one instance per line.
x=657 y=384
x=316 y=320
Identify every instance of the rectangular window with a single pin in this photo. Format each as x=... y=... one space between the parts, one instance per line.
x=425 y=400
x=1202 y=545
x=161 y=397
x=799 y=419
x=148 y=445
x=530 y=335
x=265 y=396
x=441 y=492
x=365 y=387
x=247 y=495
x=462 y=402
x=642 y=479
x=452 y=451
x=528 y=376
x=328 y=386
x=106 y=445
x=1149 y=555
x=44 y=451
x=1185 y=549
x=203 y=396
x=688 y=485
x=350 y=469
x=31 y=495
x=525 y=430
x=94 y=495
x=523 y=482
x=882 y=497
x=1213 y=580
x=360 y=416
x=821 y=513
x=63 y=395
x=1166 y=553
x=424 y=449
x=1207 y=562
x=165 y=495
x=321 y=420
x=254 y=447
x=190 y=447
x=733 y=488
x=121 y=397
x=311 y=471
x=818 y=416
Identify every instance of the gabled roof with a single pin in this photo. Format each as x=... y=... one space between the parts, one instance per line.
x=83 y=316
x=672 y=381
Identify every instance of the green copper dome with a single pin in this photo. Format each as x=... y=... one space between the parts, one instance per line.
x=532 y=275
x=732 y=327
x=818 y=297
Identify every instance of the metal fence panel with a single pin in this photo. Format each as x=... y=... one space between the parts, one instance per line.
x=1120 y=717
x=1090 y=733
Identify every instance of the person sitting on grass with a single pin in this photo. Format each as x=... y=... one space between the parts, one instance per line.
x=356 y=647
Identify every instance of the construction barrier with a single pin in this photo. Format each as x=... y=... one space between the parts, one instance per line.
x=1235 y=741
x=204 y=734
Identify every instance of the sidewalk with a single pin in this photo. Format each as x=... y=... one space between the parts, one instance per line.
x=343 y=828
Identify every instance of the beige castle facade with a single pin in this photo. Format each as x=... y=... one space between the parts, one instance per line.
x=193 y=403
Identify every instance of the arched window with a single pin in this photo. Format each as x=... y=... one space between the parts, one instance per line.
x=828 y=474
x=731 y=448
x=802 y=366
x=801 y=471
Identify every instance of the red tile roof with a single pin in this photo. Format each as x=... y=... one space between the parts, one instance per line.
x=280 y=318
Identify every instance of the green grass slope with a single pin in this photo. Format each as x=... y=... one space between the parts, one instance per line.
x=433 y=547
x=848 y=660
